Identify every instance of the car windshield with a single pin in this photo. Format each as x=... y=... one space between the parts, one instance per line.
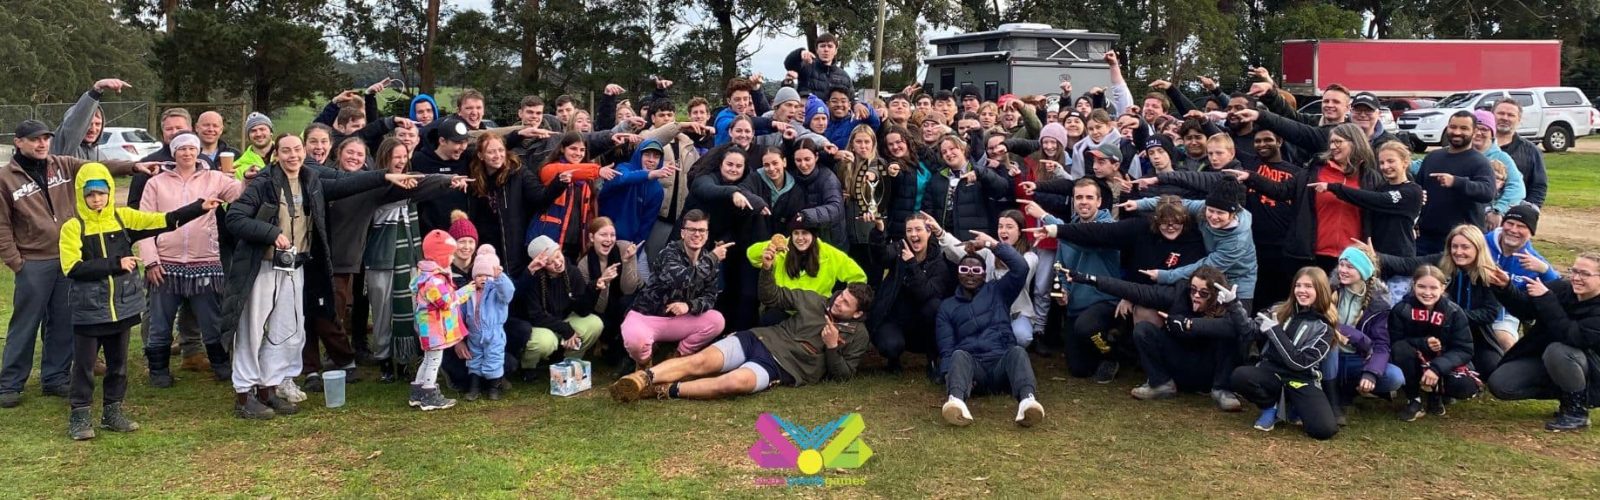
x=137 y=136
x=1457 y=100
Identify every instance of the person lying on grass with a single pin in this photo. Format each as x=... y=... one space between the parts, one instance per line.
x=824 y=339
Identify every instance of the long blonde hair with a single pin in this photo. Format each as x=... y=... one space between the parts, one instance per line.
x=1483 y=265
x=1323 y=304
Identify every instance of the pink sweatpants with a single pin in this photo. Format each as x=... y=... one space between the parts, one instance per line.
x=640 y=332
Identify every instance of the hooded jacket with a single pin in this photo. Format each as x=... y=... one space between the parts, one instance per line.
x=980 y=323
x=1513 y=265
x=824 y=197
x=833 y=268
x=74 y=129
x=434 y=212
x=489 y=307
x=796 y=343
x=566 y=216
x=1370 y=335
x=633 y=200
x=92 y=246
x=191 y=243
x=31 y=216
x=411 y=110
x=1233 y=250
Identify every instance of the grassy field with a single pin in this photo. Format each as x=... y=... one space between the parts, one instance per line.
x=1096 y=442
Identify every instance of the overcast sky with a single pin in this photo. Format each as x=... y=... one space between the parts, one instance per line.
x=768 y=52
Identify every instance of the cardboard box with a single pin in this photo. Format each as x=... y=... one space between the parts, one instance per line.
x=570 y=377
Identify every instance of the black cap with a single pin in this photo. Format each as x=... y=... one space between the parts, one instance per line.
x=453 y=129
x=1366 y=99
x=1159 y=141
x=29 y=129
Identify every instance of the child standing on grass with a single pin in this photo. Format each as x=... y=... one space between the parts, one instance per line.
x=439 y=323
x=486 y=322
x=108 y=297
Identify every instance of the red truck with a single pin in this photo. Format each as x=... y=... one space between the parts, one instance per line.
x=1420 y=68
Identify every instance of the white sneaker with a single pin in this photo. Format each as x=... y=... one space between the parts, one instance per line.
x=955 y=412
x=1029 y=412
x=287 y=390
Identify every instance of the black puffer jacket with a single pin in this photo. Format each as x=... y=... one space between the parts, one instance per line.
x=971 y=206
x=545 y=300
x=1558 y=316
x=1295 y=350
x=434 y=213
x=1412 y=323
x=501 y=214
x=817 y=77
x=824 y=204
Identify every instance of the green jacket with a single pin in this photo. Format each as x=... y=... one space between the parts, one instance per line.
x=796 y=343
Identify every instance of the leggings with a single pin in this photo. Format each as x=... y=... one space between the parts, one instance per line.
x=428 y=372
x=1560 y=370
x=1454 y=384
x=1266 y=388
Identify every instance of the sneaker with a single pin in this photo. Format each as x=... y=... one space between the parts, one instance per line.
x=628 y=389
x=386 y=372
x=1107 y=372
x=279 y=405
x=58 y=390
x=1568 y=422
x=955 y=412
x=432 y=399
x=78 y=427
x=161 y=379
x=1268 y=419
x=288 y=391
x=1144 y=392
x=1226 y=400
x=415 y=399
x=1435 y=405
x=252 y=409
x=313 y=383
x=1412 y=411
x=10 y=399
x=1029 y=412
x=112 y=419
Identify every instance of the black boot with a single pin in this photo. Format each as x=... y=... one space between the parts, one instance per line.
x=112 y=418
x=78 y=426
x=386 y=372
x=269 y=397
x=160 y=372
x=248 y=407
x=474 y=387
x=221 y=364
x=494 y=389
x=1573 y=415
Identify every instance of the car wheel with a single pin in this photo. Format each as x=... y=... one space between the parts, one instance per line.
x=1558 y=139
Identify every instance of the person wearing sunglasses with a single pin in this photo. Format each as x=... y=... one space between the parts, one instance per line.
x=1194 y=345
x=977 y=351
x=1558 y=356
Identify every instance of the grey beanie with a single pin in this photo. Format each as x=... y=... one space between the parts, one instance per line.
x=256 y=118
x=786 y=94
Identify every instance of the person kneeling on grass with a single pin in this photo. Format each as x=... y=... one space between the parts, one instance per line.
x=1296 y=337
x=108 y=297
x=1433 y=346
x=973 y=330
x=824 y=339
x=1560 y=356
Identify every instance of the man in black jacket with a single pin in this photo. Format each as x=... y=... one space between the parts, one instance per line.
x=1529 y=160
x=817 y=72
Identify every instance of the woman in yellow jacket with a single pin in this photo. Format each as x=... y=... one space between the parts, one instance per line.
x=108 y=297
x=806 y=263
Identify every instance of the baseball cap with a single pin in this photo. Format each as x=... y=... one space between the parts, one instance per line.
x=453 y=129
x=1366 y=99
x=1109 y=150
x=30 y=129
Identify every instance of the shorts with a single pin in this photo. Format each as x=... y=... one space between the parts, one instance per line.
x=744 y=350
x=1509 y=324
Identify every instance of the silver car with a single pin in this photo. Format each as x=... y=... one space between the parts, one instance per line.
x=122 y=143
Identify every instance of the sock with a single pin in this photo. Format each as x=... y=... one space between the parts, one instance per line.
x=672 y=390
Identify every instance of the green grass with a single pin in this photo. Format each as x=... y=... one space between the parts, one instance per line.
x=1578 y=177
x=1096 y=442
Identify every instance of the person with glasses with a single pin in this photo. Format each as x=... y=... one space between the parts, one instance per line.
x=676 y=305
x=977 y=351
x=1559 y=356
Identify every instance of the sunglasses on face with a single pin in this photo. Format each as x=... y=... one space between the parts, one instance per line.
x=969 y=269
x=1200 y=292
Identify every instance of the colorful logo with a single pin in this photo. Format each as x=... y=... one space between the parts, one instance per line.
x=809 y=449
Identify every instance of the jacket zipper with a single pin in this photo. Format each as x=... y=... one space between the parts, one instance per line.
x=111 y=281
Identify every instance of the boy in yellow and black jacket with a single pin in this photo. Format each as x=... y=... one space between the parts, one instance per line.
x=108 y=297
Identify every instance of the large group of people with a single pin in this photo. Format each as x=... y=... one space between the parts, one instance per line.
x=1234 y=248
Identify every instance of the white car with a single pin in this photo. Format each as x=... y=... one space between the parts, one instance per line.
x=121 y=143
x=1555 y=116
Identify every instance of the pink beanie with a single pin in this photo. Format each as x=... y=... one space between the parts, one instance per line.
x=485 y=262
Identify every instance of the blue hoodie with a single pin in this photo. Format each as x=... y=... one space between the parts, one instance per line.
x=1513 y=266
x=838 y=131
x=412 y=110
x=1087 y=260
x=1233 y=251
x=632 y=200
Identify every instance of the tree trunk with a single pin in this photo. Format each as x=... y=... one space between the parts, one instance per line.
x=727 y=46
x=530 y=36
x=168 y=8
x=426 y=84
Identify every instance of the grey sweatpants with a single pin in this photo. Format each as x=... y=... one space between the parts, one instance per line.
x=40 y=299
x=272 y=330
x=380 y=288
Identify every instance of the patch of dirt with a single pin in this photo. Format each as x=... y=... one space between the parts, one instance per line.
x=1570 y=226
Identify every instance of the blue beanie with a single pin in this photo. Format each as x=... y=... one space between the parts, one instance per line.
x=1359 y=260
x=96 y=185
x=814 y=107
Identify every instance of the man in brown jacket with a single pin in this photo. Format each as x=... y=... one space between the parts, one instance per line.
x=36 y=197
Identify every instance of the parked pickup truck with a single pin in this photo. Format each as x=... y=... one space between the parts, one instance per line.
x=1553 y=116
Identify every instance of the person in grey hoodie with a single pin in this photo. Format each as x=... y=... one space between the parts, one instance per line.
x=80 y=127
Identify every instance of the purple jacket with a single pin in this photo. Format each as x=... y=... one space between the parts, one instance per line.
x=1370 y=336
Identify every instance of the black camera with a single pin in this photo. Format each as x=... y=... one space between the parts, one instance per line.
x=285 y=260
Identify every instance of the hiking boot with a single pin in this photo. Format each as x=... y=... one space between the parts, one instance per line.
x=10 y=399
x=628 y=389
x=78 y=427
x=290 y=392
x=1435 y=405
x=1412 y=411
x=415 y=399
x=1226 y=400
x=386 y=372
x=1029 y=412
x=161 y=379
x=280 y=406
x=247 y=407
x=474 y=388
x=57 y=390
x=1573 y=415
x=955 y=412
x=221 y=364
x=1268 y=419
x=1144 y=392
x=313 y=383
x=1107 y=372
x=112 y=419
x=432 y=399
x=494 y=388
x=196 y=363
x=659 y=390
